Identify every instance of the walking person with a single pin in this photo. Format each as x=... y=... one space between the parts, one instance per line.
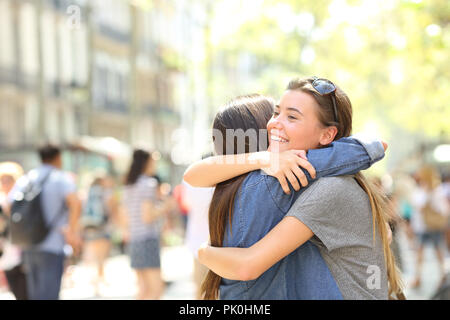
x=260 y=202
x=44 y=262
x=429 y=219
x=96 y=220
x=144 y=221
x=11 y=259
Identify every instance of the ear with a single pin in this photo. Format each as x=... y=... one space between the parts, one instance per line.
x=327 y=135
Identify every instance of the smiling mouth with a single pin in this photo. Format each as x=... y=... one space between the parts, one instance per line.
x=278 y=139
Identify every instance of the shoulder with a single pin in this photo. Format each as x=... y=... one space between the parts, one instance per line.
x=253 y=178
x=334 y=185
x=345 y=188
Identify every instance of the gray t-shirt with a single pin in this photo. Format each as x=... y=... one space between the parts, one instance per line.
x=338 y=212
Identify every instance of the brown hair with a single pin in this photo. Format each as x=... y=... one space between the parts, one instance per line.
x=381 y=210
x=244 y=112
x=138 y=165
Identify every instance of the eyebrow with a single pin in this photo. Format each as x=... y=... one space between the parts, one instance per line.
x=291 y=109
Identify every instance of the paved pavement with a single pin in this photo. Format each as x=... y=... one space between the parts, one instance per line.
x=177 y=267
x=430 y=270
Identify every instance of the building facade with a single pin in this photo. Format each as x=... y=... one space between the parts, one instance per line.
x=131 y=70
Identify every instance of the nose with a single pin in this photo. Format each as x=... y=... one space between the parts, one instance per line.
x=275 y=123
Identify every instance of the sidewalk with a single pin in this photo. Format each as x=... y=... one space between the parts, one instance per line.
x=430 y=270
x=176 y=265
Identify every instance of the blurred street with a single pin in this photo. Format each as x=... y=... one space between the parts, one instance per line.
x=121 y=280
x=177 y=273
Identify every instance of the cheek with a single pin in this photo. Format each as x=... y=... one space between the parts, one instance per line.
x=303 y=136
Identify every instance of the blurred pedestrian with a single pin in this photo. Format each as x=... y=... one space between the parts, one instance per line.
x=44 y=262
x=11 y=259
x=143 y=218
x=446 y=188
x=179 y=194
x=404 y=186
x=197 y=230
x=429 y=219
x=96 y=219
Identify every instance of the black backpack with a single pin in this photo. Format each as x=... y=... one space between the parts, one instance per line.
x=27 y=224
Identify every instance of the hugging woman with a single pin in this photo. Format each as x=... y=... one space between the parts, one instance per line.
x=310 y=243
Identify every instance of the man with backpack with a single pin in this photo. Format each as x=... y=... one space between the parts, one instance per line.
x=60 y=208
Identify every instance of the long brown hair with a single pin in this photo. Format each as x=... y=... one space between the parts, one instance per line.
x=138 y=165
x=381 y=210
x=244 y=112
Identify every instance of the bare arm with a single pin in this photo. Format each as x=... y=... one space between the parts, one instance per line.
x=284 y=165
x=249 y=263
x=72 y=230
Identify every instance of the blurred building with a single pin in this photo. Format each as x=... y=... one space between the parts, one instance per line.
x=100 y=68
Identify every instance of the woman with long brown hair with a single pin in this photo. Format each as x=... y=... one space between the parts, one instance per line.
x=142 y=219
x=246 y=207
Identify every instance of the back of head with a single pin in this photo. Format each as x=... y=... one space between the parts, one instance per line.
x=241 y=125
x=49 y=153
x=247 y=116
x=138 y=166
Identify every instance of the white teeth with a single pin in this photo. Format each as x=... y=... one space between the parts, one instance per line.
x=278 y=139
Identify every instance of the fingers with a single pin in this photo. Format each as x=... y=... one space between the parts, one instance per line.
x=307 y=166
x=283 y=182
x=300 y=175
x=292 y=179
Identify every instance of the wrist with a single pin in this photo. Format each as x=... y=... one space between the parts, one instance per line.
x=261 y=159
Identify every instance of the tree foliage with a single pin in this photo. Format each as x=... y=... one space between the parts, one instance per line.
x=391 y=57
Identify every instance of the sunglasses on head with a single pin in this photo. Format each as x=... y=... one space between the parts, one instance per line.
x=326 y=87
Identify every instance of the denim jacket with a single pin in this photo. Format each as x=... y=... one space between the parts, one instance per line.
x=261 y=203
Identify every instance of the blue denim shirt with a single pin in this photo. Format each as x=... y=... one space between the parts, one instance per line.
x=261 y=203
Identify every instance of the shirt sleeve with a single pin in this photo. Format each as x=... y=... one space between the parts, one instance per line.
x=67 y=185
x=345 y=156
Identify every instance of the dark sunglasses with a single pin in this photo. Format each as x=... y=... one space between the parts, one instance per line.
x=326 y=87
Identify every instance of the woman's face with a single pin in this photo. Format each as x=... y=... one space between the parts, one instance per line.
x=294 y=124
